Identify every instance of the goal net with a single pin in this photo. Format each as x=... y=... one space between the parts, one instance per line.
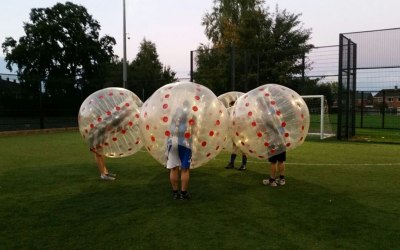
x=320 y=124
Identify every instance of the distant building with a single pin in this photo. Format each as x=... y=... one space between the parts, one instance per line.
x=364 y=99
x=388 y=98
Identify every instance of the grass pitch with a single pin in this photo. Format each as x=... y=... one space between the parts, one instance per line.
x=339 y=195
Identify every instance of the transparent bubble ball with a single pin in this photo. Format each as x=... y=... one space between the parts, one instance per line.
x=229 y=100
x=186 y=114
x=269 y=120
x=108 y=121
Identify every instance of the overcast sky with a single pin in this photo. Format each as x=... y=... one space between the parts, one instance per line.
x=175 y=25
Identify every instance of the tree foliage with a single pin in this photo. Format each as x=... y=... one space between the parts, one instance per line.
x=61 y=49
x=249 y=44
x=146 y=72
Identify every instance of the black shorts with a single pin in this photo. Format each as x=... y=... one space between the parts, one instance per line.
x=278 y=158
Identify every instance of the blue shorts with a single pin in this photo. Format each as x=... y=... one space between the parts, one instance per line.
x=181 y=157
x=278 y=158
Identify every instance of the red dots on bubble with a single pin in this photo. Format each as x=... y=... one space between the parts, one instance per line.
x=165 y=106
x=137 y=115
x=247 y=104
x=197 y=97
x=251 y=151
x=283 y=124
x=91 y=125
x=253 y=124
x=259 y=134
x=302 y=116
x=266 y=94
x=211 y=133
x=273 y=102
x=118 y=108
x=121 y=93
x=261 y=89
x=129 y=149
x=108 y=112
x=237 y=133
x=266 y=144
x=106 y=144
x=130 y=123
x=99 y=119
x=261 y=156
x=137 y=142
x=242 y=143
x=127 y=104
x=204 y=143
x=278 y=112
x=167 y=133
x=217 y=122
x=152 y=138
x=250 y=113
x=123 y=131
x=286 y=134
x=86 y=131
x=302 y=127
x=208 y=155
x=165 y=119
x=288 y=144
x=301 y=138
x=272 y=151
x=217 y=148
x=115 y=139
x=191 y=122
x=111 y=94
x=147 y=127
x=195 y=108
x=187 y=135
x=101 y=97
x=167 y=96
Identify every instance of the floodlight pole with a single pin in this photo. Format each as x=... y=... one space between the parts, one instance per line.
x=124 y=67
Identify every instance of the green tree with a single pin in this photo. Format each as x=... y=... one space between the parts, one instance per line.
x=61 y=49
x=266 y=47
x=146 y=72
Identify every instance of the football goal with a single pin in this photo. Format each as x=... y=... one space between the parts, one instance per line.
x=320 y=124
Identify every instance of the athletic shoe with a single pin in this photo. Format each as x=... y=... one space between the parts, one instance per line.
x=175 y=196
x=111 y=175
x=106 y=177
x=267 y=182
x=184 y=196
x=280 y=182
x=243 y=167
x=229 y=166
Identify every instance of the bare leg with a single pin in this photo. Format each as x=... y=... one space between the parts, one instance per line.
x=272 y=172
x=185 y=176
x=101 y=165
x=281 y=168
x=173 y=177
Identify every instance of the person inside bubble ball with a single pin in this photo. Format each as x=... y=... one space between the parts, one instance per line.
x=274 y=132
x=235 y=151
x=96 y=139
x=179 y=152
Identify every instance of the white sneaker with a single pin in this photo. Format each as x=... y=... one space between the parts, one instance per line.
x=281 y=182
x=266 y=182
x=106 y=177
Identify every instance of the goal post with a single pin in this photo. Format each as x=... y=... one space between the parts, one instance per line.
x=319 y=116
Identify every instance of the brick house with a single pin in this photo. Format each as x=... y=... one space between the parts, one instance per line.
x=392 y=99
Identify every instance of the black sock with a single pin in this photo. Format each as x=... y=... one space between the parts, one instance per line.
x=271 y=179
x=233 y=157
x=281 y=177
x=175 y=191
x=183 y=192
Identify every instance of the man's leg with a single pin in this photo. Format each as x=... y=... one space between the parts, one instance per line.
x=281 y=169
x=173 y=178
x=185 y=176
